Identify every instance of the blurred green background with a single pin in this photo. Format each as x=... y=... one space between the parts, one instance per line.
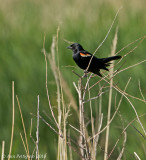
x=22 y=28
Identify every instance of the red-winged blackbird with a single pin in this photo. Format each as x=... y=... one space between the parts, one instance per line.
x=82 y=59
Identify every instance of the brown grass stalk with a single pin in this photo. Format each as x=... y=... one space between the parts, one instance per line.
x=110 y=96
x=63 y=112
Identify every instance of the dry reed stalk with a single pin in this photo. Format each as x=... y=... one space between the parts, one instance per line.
x=93 y=149
x=100 y=119
x=113 y=51
x=57 y=74
x=26 y=141
x=57 y=80
x=83 y=141
x=3 y=150
x=51 y=109
x=62 y=110
x=13 y=118
x=81 y=119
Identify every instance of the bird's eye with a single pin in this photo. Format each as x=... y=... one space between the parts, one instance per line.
x=71 y=45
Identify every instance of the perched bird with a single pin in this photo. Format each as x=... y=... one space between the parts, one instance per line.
x=82 y=59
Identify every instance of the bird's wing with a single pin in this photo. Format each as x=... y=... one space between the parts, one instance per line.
x=85 y=54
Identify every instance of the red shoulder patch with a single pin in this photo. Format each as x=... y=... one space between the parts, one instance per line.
x=85 y=54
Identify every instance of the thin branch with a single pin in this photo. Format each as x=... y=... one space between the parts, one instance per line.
x=124 y=143
x=76 y=87
x=47 y=87
x=23 y=143
x=76 y=130
x=130 y=66
x=141 y=90
x=93 y=98
x=32 y=140
x=105 y=76
x=31 y=132
x=114 y=112
x=86 y=85
x=123 y=132
x=13 y=117
x=104 y=38
x=46 y=123
x=116 y=88
x=141 y=38
x=135 y=113
x=139 y=132
x=136 y=156
x=125 y=92
x=37 y=132
x=27 y=148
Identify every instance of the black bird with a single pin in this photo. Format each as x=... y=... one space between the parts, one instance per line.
x=82 y=59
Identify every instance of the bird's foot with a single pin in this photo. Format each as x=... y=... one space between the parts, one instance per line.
x=85 y=74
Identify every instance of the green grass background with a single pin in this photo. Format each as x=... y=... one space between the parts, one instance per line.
x=22 y=28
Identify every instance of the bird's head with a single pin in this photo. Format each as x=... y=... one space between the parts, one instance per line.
x=75 y=47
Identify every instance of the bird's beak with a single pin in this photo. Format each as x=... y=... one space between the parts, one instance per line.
x=69 y=47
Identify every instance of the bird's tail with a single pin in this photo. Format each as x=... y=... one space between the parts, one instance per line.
x=106 y=60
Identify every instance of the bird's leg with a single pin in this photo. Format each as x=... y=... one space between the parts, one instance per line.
x=85 y=74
